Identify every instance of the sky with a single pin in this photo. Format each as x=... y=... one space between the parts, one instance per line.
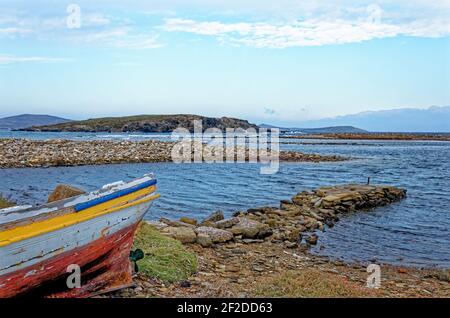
x=280 y=62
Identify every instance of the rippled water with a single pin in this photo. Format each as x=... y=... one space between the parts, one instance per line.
x=415 y=231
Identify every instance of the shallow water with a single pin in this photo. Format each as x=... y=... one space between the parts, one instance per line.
x=413 y=232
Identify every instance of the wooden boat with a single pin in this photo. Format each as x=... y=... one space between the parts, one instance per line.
x=94 y=231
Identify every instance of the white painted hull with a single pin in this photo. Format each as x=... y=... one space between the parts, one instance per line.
x=23 y=254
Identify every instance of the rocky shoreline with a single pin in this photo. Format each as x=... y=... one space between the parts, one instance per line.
x=239 y=270
x=263 y=252
x=375 y=136
x=21 y=153
x=292 y=223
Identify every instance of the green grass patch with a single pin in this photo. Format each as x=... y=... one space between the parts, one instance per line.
x=5 y=203
x=165 y=258
x=312 y=283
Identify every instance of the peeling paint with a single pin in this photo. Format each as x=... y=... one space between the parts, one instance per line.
x=102 y=242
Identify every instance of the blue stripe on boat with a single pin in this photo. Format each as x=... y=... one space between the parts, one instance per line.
x=85 y=205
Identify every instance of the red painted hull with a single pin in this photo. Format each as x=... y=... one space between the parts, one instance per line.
x=104 y=264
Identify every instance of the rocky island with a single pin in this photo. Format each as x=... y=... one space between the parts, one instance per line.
x=144 y=123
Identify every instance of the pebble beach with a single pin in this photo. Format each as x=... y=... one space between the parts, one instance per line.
x=21 y=153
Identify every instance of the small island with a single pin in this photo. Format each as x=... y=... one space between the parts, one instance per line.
x=144 y=123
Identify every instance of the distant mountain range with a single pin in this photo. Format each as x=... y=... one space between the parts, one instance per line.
x=27 y=120
x=322 y=130
x=432 y=119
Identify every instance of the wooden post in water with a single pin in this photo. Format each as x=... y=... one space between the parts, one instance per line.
x=368 y=180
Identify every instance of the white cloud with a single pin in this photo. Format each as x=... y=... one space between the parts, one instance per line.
x=9 y=59
x=55 y=24
x=95 y=20
x=13 y=31
x=121 y=37
x=316 y=23
x=311 y=32
x=282 y=24
x=27 y=24
x=96 y=30
x=102 y=36
x=138 y=42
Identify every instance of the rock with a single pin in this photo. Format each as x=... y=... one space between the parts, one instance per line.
x=257 y=268
x=288 y=244
x=251 y=241
x=64 y=191
x=320 y=226
x=214 y=217
x=226 y=223
x=175 y=223
x=188 y=220
x=157 y=224
x=233 y=269
x=442 y=275
x=216 y=235
x=5 y=203
x=185 y=284
x=330 y=199
x=312 y=239
x=264 y=232
x=208 y=224
x=293 y=235
x=265 y=209
x=182 y=234
x=320 y=193
x=316 y=216
x=247 y=228
x=204 y=240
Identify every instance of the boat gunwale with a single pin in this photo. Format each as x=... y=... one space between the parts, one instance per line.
x=57 y=213
x=61 y=207
x=147 y=196
x=70 y=203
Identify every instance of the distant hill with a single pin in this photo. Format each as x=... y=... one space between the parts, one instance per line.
x=322 y=130
x=144 y=123
x=333 y=129
x=28 y=120
x=432 y=119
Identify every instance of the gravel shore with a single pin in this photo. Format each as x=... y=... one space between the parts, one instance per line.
x=376 y=136
x=20 y=153
x=271 y=270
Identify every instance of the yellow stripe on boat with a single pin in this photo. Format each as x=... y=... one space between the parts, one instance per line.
x=35 y=229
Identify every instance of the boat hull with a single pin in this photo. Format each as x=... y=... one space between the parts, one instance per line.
x=99 y=246
x=107 y=259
